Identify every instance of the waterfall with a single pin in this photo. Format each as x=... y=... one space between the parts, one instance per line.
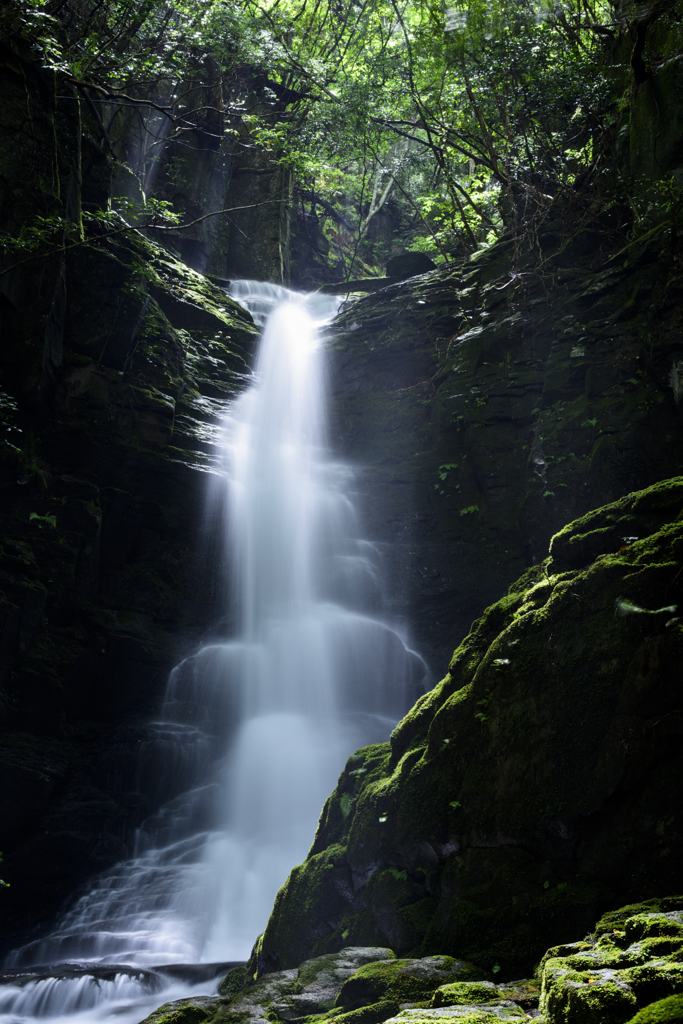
x=254 y=729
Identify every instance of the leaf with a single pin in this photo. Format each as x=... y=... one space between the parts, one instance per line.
x=346 y=805
x=623 y=606
x=48 y=520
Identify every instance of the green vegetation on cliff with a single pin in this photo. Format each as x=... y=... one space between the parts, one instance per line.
x=535 y=783
x=376 y=126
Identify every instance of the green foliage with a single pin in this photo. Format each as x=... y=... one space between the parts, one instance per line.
x=346 y=805
x=624 y=606
x=40 y=521
x=459 y=123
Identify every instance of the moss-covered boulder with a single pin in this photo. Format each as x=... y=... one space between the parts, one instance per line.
x=457 y=993
x=486 y=1013
x=320 y=981
x=664 y=1011
x=537 y=780
x=637 y=964
x=197 y=1010
x=308 y=991
x=403 y=980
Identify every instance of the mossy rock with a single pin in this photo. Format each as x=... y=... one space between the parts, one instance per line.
x=614 y=920
x=320 y=980
x=482 y=1014
x=404 y=980
x=464 y=992
x=664 y=1011
x=609 y=529
x=636 y=964
x=198 y=1010
x=233 y=982
x=375 y=1013
x=424 y=840
x=655 y=980
x=646 y=926
x=585 y=997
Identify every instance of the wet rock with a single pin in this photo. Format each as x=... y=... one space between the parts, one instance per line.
x=321 y=980
x=464 y=992
x=403 y=980
x=196 y=1010
x=485 y=1013
x=408 y=264
x=535 y=779
x=617 y=976
x=195 y=974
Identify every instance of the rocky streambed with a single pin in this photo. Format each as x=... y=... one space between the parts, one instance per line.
x=629 y=968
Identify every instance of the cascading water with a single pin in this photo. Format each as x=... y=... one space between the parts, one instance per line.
x=254 y=730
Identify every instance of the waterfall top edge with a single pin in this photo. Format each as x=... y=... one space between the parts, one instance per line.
x=261 y=298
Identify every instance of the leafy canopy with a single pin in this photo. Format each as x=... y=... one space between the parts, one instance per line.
x=466 y=119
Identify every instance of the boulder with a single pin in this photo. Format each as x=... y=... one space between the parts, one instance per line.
x=534 y=782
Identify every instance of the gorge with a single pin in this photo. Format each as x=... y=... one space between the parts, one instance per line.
x=500 y=475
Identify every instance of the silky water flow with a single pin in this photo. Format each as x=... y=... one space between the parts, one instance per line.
x=254 y=730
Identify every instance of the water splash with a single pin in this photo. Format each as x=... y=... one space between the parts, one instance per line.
x=255 y=729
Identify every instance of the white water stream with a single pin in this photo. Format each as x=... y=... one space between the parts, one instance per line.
x=253 y=731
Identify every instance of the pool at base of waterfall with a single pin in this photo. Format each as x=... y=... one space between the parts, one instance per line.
x=96 y=993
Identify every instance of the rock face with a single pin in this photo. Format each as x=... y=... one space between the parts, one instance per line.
x=626 y=969
x=490 y=402
x=535 y=784
x=105 y=579
x=117 y=362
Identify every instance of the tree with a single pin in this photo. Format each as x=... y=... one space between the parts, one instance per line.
x=468 y=122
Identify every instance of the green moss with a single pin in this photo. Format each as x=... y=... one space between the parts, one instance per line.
x=615 y=919
x=403 y=980
x=607 y=529
x=463 y=1015
x=655 y=980
x=375 y=1013
x=664 y=1011
x=460 y=768
x=464 y=993
x=646 y=926
x=233 y=982
x=584 y=997
x=183 y=1012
